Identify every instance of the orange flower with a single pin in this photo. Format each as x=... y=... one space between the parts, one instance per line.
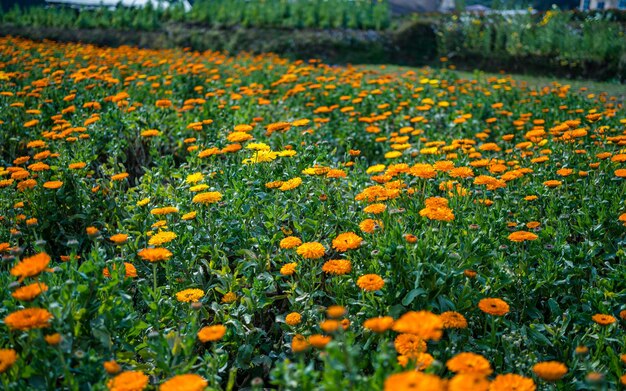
x=119 y=238
x=552 y=183
x=409 y=344
x=8 y=357
x=469 y=382
x=288 y=269
x=128 y=381
x=111 y=367
x=53 y=185
x=319 y=341
x=493 y=306
x=53 y=339
x=550 y=370
x=290 y=242
x=370 y=282
x=28 y=318
x=521 y=236
x=311 y=250
x=299 y=343
x=603 y=320
x=188 y=382
x=347 y=241
x=29 y=292
x=511 y=381
x=155 y=254
x=119 y=177
x=337 y=267
x=453 y=320
x=293 y=319
x=413 y=380
x=31 y=266
x=468 y=362
x=424 y=324
x=212 y=333
x=379 y=325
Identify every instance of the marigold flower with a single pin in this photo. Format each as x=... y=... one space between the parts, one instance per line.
x=522 y=236
x=120 y=176
x=299 y=343
x=550 y=370
x=53 y=339
x=603 y=319
x=128 y=381
x=212 y=333
x=409 y=344
x=410 y=238
x=337 y=267
x=129 y=271
x=31 y=266
x=163 y=211
x=112 y=367
x=370 y=282
x=189 y=295
x=188 y=382
x=370 y=226
x=453 y=320
x=229 y=297
x=413 y=380
x=77 y=166
x=375 y=208
x=150 y=133
x=552 y=183
x=468 y=362
x=290 y=184
x=8 y=357
x=330 y=325
x=493 y=306
x=162 y=238
x=53 y=185
x=29 y=292
x=207 y=198
x=469 y=382
x=293 y=319
x=511 y=381
x=336 y=311
x=319 y=341
x=28 y=318
x=119 y=238
x=288 y=269
x=290 y=242
x=194 y=178
x=424 y=324
x=379 y=325
x=155 y=254
x=311 y=250
x=347 y=241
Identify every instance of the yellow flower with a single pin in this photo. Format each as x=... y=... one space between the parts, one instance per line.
x=207 y=198
x=194 y=178
x=189 y=295
x=162 y=238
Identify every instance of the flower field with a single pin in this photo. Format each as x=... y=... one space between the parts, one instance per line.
x=177 y=220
